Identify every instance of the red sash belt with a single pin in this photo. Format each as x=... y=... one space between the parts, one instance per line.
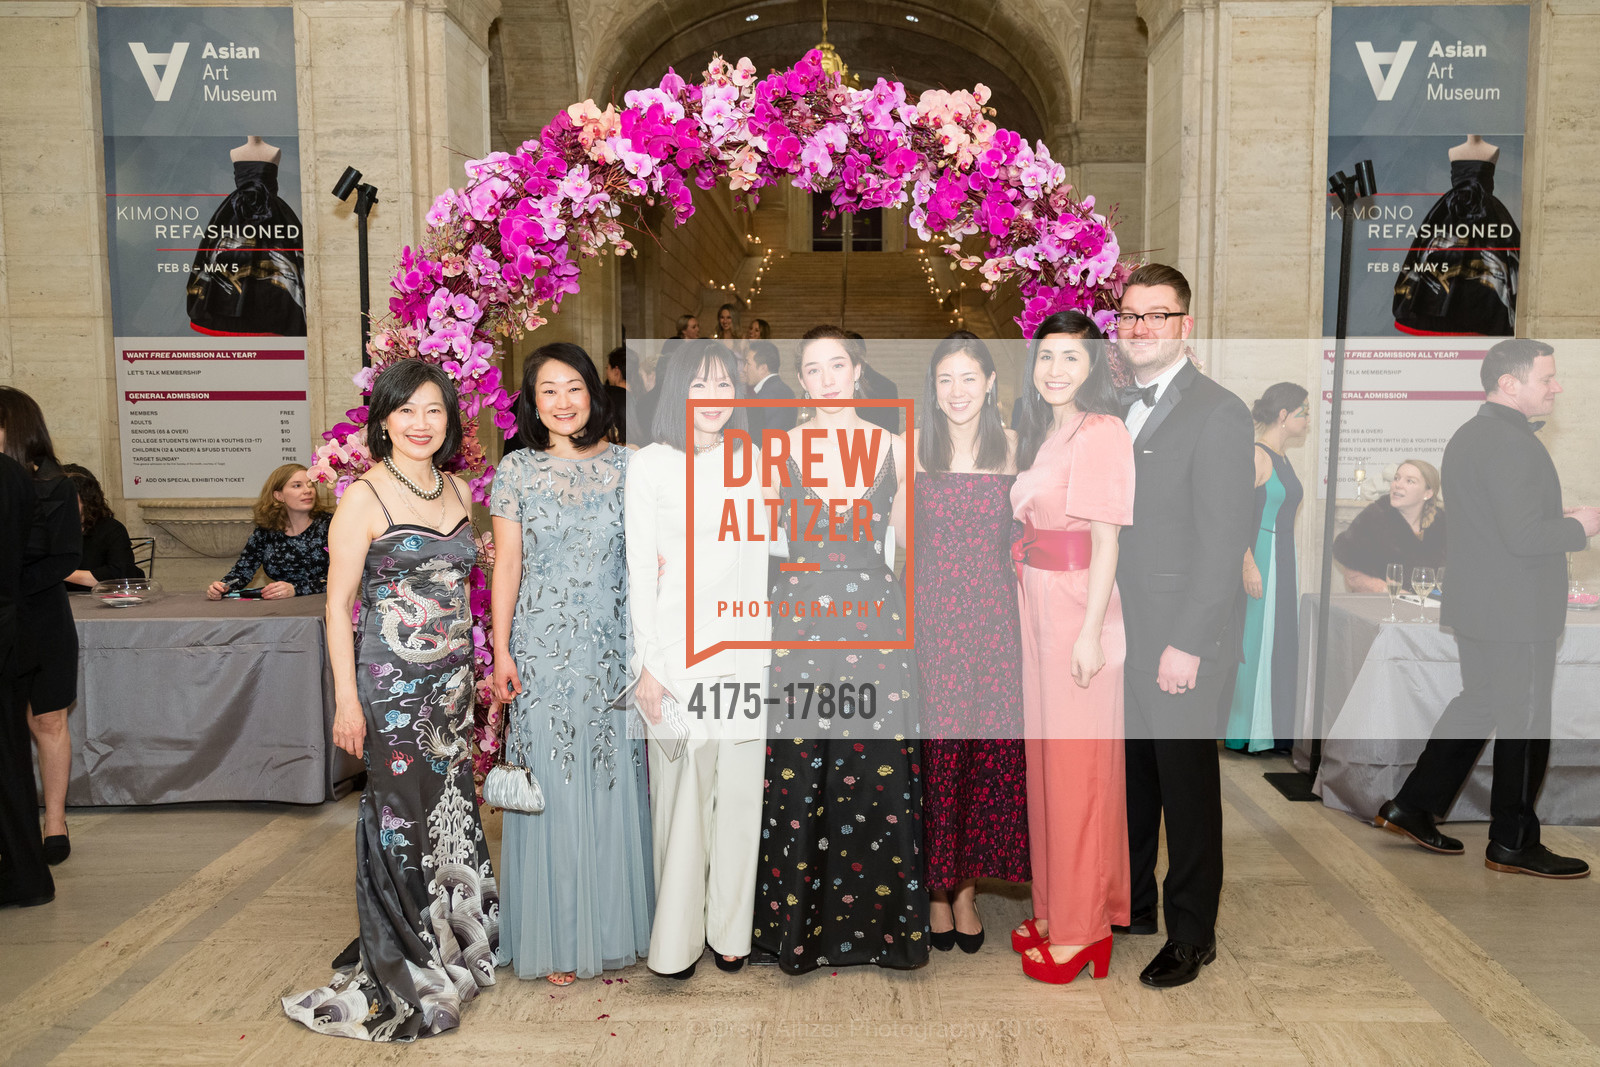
x=1051 y=550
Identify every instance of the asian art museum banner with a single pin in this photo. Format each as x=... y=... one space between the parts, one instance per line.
x=208 y=297
x=1436 y=97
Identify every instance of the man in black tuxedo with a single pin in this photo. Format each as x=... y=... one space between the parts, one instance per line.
x=1507 y=604
x=761 y=376
x=1181 y=586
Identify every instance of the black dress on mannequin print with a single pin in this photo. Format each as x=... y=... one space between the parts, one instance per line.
x=249 y=274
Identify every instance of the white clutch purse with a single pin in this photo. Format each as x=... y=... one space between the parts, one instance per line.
x=670 y=735
x=511 y=785
x=514 y=788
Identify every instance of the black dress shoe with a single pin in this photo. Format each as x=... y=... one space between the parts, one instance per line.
x=943 y=940
x=28 y=902
x=1177 y=964
x=1140 y=922
x=730 y=966
x=56 y=849
x=1417 y=826
x=685 y=974
x=969 y=943
x=1535 y=860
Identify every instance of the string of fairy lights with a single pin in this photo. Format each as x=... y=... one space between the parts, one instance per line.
x=924 y=263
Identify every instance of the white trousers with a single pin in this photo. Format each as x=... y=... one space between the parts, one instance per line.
x=705 y=815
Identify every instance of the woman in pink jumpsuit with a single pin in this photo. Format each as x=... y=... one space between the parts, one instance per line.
x=1074 y=492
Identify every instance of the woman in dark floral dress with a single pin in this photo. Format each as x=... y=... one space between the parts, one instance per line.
x=289 y=543
x=426 y=897
x=840 y=878
x=974 y=808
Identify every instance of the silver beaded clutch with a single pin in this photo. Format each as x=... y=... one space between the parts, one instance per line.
x=514 y=788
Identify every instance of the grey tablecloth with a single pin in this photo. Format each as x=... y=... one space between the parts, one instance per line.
x=188 y=699
x=1388 y=684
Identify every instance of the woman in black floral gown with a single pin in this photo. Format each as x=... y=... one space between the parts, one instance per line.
x=426 y=897
x=840 y=879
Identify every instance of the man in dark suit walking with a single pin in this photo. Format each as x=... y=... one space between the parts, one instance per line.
x=761 y=376
x=1507 y=604
x=1180 y=582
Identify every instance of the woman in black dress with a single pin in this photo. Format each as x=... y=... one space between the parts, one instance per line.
x=46 y=676
x=25 y=880
x=841 y=875
x=107 y=549
x=290 y=541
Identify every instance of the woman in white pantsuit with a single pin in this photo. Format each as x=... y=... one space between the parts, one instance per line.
x=705 y=803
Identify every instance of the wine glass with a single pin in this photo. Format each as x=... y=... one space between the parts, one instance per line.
x=1438 y=580
x=1394 y=579
x=1361 y=483
x=1422 y=580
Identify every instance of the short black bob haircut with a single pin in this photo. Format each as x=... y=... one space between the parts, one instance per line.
x=672 y=390
x=397 y=384
x=531 y=433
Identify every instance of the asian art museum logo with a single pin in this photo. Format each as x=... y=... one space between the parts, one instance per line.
x=1385 y=82
x=160 y=69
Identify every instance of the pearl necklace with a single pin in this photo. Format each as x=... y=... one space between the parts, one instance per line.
x=433 y=494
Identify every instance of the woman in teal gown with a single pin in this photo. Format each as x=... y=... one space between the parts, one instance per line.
x=1261 y=715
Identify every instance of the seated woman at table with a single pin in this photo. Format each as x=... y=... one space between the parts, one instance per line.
x=107 y=550
x=290 y=541
x=1405 y=527
x=426 y=897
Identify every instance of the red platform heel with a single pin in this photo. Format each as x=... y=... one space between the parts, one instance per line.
x=1048 y=970
x=1033 y=938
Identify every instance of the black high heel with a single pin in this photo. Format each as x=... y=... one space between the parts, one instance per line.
x=683 y=975
x=729 y=966
x=969 y=943
x=943 y=940
x=57 y=847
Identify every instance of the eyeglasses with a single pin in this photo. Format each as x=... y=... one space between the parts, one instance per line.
x=1127 y=320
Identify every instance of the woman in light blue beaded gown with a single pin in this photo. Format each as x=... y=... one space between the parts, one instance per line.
x=576 y=882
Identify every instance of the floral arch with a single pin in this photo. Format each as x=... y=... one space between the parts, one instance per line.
x=500 y=253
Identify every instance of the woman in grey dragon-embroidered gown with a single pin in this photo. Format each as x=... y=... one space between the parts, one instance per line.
x=425 y=891
x=577 y=883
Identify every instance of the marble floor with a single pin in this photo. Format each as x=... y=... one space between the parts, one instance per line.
x=175 y=931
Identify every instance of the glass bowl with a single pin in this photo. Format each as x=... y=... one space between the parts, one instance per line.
x=127 y=592
x=1580 y=598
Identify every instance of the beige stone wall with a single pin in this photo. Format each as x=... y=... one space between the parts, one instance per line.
x=397 y=88
x=55 y=325
x=1561 y=209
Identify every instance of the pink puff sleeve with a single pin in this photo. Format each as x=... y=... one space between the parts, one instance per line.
x=1100 y=482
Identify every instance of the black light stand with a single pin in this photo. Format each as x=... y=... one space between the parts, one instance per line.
x=366 y=196
x=1349 y=189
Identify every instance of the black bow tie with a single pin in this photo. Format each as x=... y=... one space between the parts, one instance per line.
x=1130 y=394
